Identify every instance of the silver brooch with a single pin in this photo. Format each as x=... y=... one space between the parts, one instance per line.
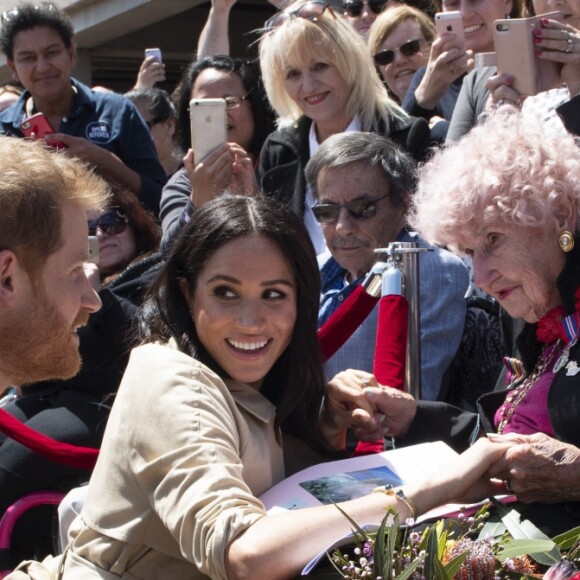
x=572 y=369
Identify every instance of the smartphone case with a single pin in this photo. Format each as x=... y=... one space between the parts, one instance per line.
x=515 y=55
x=208 y=126
x=37 y=124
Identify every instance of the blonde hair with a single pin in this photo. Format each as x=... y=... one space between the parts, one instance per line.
x=509 y=170
x=331 y=40
x=387 y=21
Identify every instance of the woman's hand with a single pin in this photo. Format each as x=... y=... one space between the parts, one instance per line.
x=446 y=63
x=243 y=180
x=560 y=42
x=345 y=405
x=211 y=176
x=539 y=468
x=502 y=94
x=151 y=71
x=465 y=480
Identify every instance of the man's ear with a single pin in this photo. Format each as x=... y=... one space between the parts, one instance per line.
x=12 y=69
x=11 y=274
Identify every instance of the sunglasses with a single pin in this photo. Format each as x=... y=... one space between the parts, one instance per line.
x=110 y=223
x=355 y=9
x=359 y=209
x=386 y=57
x=311 y=10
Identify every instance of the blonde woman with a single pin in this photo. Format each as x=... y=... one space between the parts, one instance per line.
x=320 y=80
x=399 y=42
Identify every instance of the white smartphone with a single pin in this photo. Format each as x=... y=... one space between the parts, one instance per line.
x=208 y=126
x=451 y=21
x=155 y=52
x=516 y=56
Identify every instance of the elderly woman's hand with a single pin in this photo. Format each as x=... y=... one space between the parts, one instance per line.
x=539 y=468
x=446 y=63
x=345 y=406
x=560 y=42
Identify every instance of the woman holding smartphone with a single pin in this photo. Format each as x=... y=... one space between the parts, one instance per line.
x=555 y=40
x=434 y=90
x=320 y=80
x=230 y=166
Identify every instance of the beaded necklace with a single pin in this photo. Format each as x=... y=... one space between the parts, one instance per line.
x=517 y=393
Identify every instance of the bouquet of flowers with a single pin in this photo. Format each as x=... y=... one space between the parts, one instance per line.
x=470 y=548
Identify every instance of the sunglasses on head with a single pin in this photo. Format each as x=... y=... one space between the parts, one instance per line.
x=110 y=223
x=311 y=10
x=355 y=9
x=13 y=13
x=359 y=209
x=386 y=57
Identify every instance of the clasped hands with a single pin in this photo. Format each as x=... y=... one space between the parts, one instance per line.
x=354 y=399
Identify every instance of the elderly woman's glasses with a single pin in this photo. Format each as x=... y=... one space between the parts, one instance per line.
x=359 y=209
x=355 y=9
x=110 y=223
x=386 y=57
x=11 y=14
x=311 y=10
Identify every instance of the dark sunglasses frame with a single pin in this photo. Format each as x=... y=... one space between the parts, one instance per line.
x=311 y=10
x=355 y=9
x=110 y=223
x=12 y=13
x=359 y=209
x=409 y=48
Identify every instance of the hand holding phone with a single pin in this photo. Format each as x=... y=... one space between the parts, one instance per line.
x=37 y=127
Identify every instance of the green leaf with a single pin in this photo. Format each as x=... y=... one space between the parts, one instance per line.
x=384 y=556
x=431 y=547
x=494 y=529
x=541 y=550
x=568 y=539
x=452 y=567
x=407 y=572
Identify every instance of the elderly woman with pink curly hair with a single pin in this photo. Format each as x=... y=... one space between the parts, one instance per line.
x=508 y=196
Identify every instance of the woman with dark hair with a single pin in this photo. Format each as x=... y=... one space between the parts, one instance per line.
x=231 y=369
x=159 y=113
x=231 y=166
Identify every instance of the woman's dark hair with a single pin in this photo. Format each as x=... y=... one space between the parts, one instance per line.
x=249 y=74
x=157 y=102
x=27 y=16
x=146 y=230
x=295 y=384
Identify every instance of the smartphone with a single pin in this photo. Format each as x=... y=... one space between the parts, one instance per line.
x=37 y=124
x=208 y=126
x=451 y=21
x=93 y=250
x=155 y=52
x=515 y=55
x=40 y=126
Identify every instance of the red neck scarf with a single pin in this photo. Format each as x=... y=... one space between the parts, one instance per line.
x=555 y=325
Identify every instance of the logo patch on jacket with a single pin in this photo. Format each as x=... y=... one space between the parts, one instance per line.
x=98 y=132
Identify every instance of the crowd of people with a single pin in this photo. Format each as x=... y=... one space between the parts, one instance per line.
x=187 y=351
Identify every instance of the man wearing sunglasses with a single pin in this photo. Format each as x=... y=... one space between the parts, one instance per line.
x=362 y=184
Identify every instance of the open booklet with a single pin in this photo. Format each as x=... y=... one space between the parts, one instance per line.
x=346 y=479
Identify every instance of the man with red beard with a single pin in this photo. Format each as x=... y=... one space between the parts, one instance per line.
x=45 y=297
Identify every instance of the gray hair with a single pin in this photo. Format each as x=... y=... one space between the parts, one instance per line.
x=375 y=150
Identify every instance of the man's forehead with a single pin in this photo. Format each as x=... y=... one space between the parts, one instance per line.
x=352 y=181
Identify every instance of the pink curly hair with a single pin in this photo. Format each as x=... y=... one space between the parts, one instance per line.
x=508 y=170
